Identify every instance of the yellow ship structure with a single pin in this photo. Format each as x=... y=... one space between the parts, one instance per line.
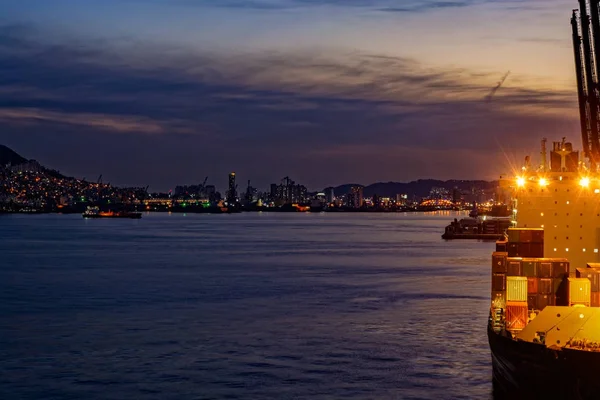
x=544 y=324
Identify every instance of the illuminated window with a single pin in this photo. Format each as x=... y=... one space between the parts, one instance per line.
x=555 y=249
x=542 y=226
x=597 y=191
x=595 y=250
x=567 y=249
x=542 y=214
x=584 y=250
x=567 y=201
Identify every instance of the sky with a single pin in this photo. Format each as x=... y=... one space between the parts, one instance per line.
x=327 y=92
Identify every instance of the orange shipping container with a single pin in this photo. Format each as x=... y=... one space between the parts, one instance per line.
x=544 y=300
x=499 y=262
x=545 y=286
x=532 y=285
x=498 y=282
x=560 y=269
x=535 y=250
x=525 y=236
x=516 y=315
x=514 y=267
x=595 y=299
x=545 y=270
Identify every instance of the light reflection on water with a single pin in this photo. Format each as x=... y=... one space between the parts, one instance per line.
x=242 y=306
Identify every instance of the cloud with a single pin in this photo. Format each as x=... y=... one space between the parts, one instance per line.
x=110 y=123
x=399 y=6
x=322 y=118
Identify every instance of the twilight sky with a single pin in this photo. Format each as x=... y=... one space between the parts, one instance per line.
x=166 y=92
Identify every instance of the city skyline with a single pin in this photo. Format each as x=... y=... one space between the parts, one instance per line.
x=328 y=92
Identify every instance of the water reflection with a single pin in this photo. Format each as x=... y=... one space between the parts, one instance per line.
x=243 y=306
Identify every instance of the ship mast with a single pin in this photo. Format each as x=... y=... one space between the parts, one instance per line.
x=586 y=47
x=544 y=166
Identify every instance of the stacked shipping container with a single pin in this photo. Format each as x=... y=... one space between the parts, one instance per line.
x=524 y=242
x=523 y=281
x=592 y=273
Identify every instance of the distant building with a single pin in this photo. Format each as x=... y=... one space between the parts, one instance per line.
x=401 y=199
x=288 y=192
x=329 y=195
x=273 y=191
x=231 y=192
x=355 y=197
x=439 y=193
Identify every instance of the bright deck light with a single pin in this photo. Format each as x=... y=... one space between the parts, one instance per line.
x=585 y=182
x=543 y=182
x=520 y=181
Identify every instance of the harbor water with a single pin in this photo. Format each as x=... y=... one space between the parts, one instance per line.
x=242 y=306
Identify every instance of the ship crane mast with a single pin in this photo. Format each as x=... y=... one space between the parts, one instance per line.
x=586 y=46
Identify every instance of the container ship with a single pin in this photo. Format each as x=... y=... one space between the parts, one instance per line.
x=94 y=212
x=544 y=322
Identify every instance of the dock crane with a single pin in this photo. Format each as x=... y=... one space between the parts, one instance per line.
x=99 y=179
x=586 y=48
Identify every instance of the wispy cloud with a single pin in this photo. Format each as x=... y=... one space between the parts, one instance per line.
x=294 y=110
x=104 y=122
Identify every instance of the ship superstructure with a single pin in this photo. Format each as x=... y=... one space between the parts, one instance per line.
x=544 y=325
x=564 y=200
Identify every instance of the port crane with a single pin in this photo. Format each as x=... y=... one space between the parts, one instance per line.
x=585 y=24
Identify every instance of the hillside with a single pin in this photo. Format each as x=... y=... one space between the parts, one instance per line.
x=8 y=156
x=419 y=188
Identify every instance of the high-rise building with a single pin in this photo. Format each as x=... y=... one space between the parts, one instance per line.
x=329 y=195
x=274 y=191
x=231 y=192
x=289 y=192
x=355 y=197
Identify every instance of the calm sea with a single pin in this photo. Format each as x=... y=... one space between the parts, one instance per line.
x=246 y=306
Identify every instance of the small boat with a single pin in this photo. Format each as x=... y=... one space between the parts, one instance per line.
x=94 y=212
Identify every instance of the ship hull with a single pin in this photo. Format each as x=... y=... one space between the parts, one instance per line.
x=524 y=370
x=127 y=216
